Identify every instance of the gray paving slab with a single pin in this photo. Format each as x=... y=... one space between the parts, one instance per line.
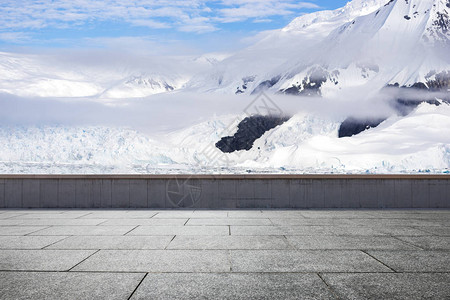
x=28 y=242
x=397 y=222
x=304 y=261
x=180 y=230
x=147 y=222
x=173 y=214
x=326 y=230
x=32 y=211
x=257 y=230
x=9 y=215
x=247 y=214
x=410 y=215
x=41 y=260
x=414 y=261
x=20 y=230
x=229 y=221
x=312 y=222
x=229 y=242
x=61 y=222
x=349 y=242
x=84 y=230
x=428 y=242
x=51 y=216
x=287 y=214
x=6 y=222
x=157 y=261
x=399 y=230
x=390 y=286
x=336 y=214
x=113 y=242
x=67 y=285
x=118 y=214
x=436 y=230
x=205 y=214
x=232 y=286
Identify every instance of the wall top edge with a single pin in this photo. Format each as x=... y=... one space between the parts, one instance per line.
x=229 y=176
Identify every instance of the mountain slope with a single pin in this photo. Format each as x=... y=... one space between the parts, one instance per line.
x=262 y=62
x=403 y=42
x=96 y=75
x=373 y=43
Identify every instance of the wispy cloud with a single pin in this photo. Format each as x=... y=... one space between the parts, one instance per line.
x=186 y=15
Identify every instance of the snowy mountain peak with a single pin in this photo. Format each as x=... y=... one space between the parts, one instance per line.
x=347 y=13
x=399 y=43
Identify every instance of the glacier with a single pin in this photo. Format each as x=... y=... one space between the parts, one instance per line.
x=108 y=115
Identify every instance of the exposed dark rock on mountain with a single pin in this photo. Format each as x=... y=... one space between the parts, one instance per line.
x=249 y=130
x=265 y=85
x=353 y=126
x=245 y=82
x=441 y=81
x=311 y=84
x=403 y=106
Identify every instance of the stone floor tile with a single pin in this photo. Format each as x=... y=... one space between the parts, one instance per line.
x=41 y=260
x=62 y=222
x=390 y=286
x=348 y=242
x=304 y=261
x=20 y=230
x=157 y=261
x=146 y=222
x=336 y=214
x=28 y=242
x=229 y=221
x=67 y=285
x=85 y=230
x=229 y=242
x=232 y=286
x=180 y=230
x=436 y=230
x=312 y=222
x=50 y=215
x=173 y=214
x=428 y=242
x=113 y=242
x=414 y=261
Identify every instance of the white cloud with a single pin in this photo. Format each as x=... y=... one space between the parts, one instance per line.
x=15 y=37
x=185 y=15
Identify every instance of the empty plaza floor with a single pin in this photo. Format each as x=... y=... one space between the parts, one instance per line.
x=237 y=254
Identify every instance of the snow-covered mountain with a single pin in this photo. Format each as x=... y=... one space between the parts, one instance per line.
x=77 y=75
x=344 y=58
x=372 y=43
x=307 y=143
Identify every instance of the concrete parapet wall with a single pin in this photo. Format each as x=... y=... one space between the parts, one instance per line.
x=225 y=191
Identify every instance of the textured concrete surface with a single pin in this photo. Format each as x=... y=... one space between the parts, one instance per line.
x=236 y=254
x=249 y=191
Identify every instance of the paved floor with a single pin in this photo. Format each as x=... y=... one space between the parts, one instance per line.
x=142 y=254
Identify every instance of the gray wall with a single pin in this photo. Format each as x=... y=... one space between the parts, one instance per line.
x=227 y=192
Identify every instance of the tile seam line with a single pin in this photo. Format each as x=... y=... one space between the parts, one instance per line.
x=365 y=252
x=65 y=238
x=130 y=230
x=165 y=248
x=409 y=243
x=33 y=232
x=137 y=286
x=333 y=292
x=83 y=260
x=215 y=272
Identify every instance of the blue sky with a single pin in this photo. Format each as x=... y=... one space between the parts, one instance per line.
x=159 y=25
